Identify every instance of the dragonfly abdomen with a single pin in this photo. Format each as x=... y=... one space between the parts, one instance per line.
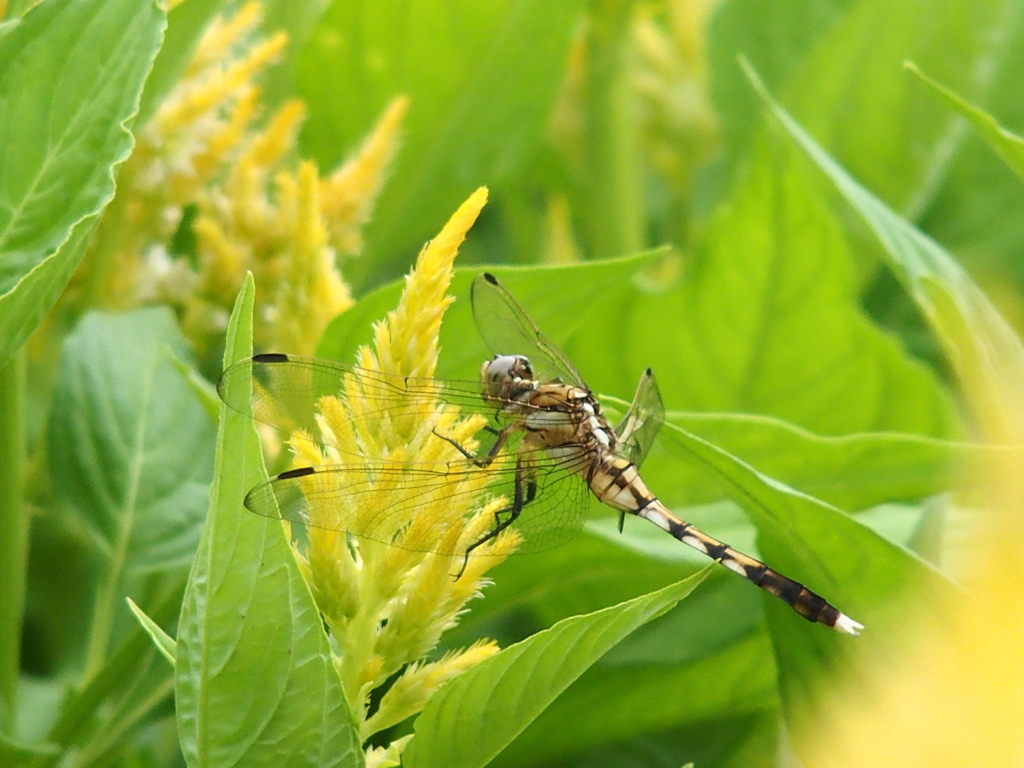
x=616 y=482
x=811 y=606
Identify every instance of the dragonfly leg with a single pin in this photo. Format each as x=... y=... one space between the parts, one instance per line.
x=524 y=492
x=485 y=460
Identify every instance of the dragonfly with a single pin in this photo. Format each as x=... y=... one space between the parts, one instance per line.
x=550 y=449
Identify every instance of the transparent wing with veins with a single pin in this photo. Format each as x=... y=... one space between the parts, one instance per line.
x=285 y=392
x=384 y=501
x=643 y=420
x=508 y=330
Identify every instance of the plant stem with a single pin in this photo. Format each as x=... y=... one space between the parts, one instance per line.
x=75 y=723
x=13 y=533
x=615 y=224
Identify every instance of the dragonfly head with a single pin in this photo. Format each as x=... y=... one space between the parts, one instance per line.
x=506 y=377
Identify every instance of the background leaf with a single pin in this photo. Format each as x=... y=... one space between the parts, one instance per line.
x=60 y=84
x=1008 y=145
x=765 y=320
x=983 y=347
x=452 y=61
x=852 y=472
x=900 y=141
x=543 y=290
x=642 y=700
x=864 y=575
x=130 y=445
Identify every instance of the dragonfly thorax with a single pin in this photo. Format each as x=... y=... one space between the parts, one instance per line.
x=507 y=378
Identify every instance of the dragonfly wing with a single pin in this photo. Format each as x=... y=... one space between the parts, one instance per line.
x=508 y=330
x=285 y=391
x=553 y=511
x=641 y=423
x=426 y=508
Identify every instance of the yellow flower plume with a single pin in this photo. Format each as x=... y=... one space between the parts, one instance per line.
x=414 y=499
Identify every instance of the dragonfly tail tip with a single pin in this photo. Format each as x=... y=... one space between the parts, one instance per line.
x=847 y=626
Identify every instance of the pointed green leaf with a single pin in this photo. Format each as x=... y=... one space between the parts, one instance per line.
x=71 y=74
x=479 y=713
x=1007 y=144
x=642 y=697
x=163 y=642
x=256 y=684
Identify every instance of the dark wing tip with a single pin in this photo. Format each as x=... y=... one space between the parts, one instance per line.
x=489 y=278
x=648 y=372
x=300 y=472
x=271 y=357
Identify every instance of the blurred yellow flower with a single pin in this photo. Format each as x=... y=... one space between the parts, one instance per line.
x=289 y=229
x=678 y=125
x=205 y=165
x=956 y=695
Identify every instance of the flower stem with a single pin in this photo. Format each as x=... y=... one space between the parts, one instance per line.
x=615 y=224
x=13 y=532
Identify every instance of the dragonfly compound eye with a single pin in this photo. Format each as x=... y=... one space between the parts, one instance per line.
x=501 y=373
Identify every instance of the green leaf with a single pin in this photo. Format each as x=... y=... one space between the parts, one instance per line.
x=70 y=78
x=641 y=698
x=479 y=713
x=776 y=37
x=125 y=708
x=163 y=642
x=1006 y=144
x=128 y=452
x=129 y=445
x=982 y=346
x=298 y=21
x=12 y=753
x=976 y=212
x=255 y=680
x=481 y=77
x=205 y=392
x=596 y=569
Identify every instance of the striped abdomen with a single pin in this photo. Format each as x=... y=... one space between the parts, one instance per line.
x=616 y=482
